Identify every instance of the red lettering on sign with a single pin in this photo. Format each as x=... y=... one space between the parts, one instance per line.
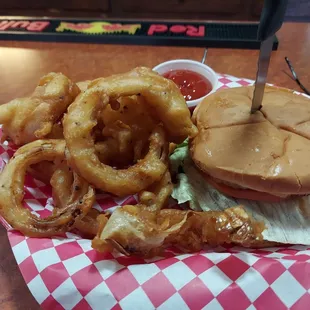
x=195 y=32
x=31 y=26
x=37 y=26
x=22 y=24
x=177 y=28
x=156 y=28
x=191 y=31
x=6 y=24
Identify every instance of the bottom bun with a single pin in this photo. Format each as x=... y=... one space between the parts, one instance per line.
x=241 y=193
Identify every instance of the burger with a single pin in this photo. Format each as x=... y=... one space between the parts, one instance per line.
x=263 y=156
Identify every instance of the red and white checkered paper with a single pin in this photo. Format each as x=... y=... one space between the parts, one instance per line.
x=66 y=273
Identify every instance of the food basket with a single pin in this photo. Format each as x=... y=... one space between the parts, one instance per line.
x=66 y=273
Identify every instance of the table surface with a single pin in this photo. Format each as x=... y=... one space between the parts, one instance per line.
x=23 y=63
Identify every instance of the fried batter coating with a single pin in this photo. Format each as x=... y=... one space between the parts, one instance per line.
x=32 y=118
x=163 y=99
x=83 y=85
x=156 y=196
x=165 y=104
x=136 y=230
x=77 y=205
x=63 y=190
x=121 y=182
x=88 y=224
x=117 y=132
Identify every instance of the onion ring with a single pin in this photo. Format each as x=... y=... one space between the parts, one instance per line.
x=61 y=182
x=108 y=152
x=12 y=192
x=169 y=106
x=83 y=158
x=163 y=97
x=63 y=187
x=32 y=118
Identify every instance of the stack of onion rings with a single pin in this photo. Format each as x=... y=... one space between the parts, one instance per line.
x=163 y=99
x=110 y=134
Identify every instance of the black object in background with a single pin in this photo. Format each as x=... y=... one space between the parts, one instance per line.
x=295 y=77
x=185 y=33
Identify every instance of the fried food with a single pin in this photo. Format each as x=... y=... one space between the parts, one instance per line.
x=11 y=192
x=163 y=98
x=88 y=225
x=166 y=104
x=83 y=85
x=148 y=170
x=124 y=131
x=114 y=137
x=156 y=196
x=108 y=152
x=136 y=230
x=57 y=132
x=61 y=182
x=32 y=118
x=63 y=187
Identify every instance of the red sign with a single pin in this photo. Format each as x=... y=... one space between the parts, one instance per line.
x=188 y=30
x=23 y=24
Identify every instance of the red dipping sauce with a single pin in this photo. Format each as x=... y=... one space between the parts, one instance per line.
x=192 y=85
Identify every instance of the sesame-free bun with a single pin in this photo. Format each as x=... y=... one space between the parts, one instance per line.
x=268 y=151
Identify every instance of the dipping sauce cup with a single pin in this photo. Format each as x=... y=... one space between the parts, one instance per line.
x=188 y=74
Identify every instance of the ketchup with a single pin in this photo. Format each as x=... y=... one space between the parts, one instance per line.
x=192 y=85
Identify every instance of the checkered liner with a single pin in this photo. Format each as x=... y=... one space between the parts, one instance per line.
x=66 y=273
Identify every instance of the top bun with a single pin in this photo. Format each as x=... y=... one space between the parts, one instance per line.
x=268 y=151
